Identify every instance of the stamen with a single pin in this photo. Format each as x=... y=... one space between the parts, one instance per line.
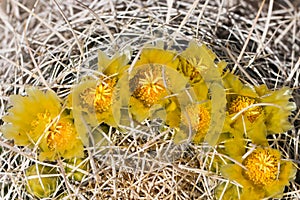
x=150 y=89
x=262 y=166
x=241 y=102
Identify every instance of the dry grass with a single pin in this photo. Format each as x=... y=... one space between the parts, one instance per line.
x=52 y=44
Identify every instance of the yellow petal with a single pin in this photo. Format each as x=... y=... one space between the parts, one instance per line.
x=235 y=86
x=252 y=193
x=287 y=172
x=234 y=173
x=235 y=148
x=278 y=112
x=114 y=66
x=158 y=56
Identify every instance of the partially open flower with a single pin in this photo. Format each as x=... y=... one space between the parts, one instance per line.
x=41 y=181
x=38 y=119
x=198 y=62
x=256 y=111
x=264 y=174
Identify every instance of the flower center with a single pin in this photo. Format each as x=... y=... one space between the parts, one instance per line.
x=103 y=95
x=150 y=90
x=204 y=120
x=59 y=135
x=242 y=102
x=262 y=166
x=198 y=119
x=99 y=98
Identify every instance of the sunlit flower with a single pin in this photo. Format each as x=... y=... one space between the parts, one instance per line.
x=39 y=119
x=152 y=85
x=41 y=181
x=95 y=99
x=262 y=174
x=256 y=111
x=29 y=115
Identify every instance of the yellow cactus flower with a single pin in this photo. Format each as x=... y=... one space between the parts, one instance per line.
x=93 y=103
x=153 y=85
x=41 y=181
x=29 y=115
x=99 y=97
x=263 y=174
x=38 y=119
x=256 y=111
x=150 y=89
x=94 y=100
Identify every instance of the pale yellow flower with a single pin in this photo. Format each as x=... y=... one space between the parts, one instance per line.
x=264 y=174
x=39 y=119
